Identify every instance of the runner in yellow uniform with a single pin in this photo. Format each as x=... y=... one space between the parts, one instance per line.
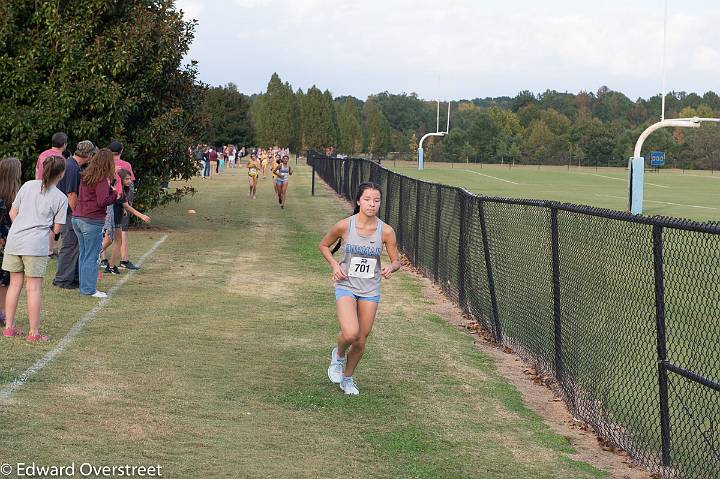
x=253 y=167
x=264 y=162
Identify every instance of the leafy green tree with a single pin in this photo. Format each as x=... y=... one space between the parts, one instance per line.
x=413 y=143
x=101 y=70
x=407 y=113
x=454 y=143
x=319 y=123
x=704 y=146
x=300 y=133
x=228 y=113
x=482 y=136
x=276 y=115
x=349 y=129
x=377 y=128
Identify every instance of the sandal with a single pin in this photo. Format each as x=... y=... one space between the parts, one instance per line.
x=11 y=332
x=34 y=338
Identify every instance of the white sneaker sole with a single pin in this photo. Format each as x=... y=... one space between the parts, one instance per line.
x=351 y=392
x=331 y=378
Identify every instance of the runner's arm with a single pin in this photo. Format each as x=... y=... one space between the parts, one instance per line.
x=328 y=240
x=390 y=241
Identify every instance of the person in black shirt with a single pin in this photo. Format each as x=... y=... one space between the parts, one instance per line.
x=67 y=268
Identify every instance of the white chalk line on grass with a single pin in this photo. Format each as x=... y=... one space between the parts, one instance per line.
x=621 y=179
x=493 y=177
x=664 y=202
x=709 y=177
x=21 y=380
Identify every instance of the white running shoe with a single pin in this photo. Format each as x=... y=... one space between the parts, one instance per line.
x=337 y=367
x=349 y=387
x=99 y=294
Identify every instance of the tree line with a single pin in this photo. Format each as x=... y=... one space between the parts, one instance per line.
x=585 y=128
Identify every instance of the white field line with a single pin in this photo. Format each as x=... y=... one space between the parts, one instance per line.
x=622 y=179
x=664 y=202
x=709 y=177
x=20 y=381
x=493 y=177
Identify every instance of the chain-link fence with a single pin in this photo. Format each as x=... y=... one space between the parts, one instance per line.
x=622 y=311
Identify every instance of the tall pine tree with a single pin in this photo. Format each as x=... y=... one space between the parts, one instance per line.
x=276 y=115
x=319 y=122
x=349 y=129
x=377 y=129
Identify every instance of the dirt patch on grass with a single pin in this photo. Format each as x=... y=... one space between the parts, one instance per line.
x=538 y=398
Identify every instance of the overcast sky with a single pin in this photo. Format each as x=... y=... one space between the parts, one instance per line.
x=455 y=49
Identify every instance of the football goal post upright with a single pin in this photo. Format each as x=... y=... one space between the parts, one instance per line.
x=636 y=164
x=421 y=152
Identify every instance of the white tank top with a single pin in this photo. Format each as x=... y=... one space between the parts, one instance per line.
x=361 y=261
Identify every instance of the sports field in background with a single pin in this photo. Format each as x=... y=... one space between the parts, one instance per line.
x=684 y=194
x=211 y=361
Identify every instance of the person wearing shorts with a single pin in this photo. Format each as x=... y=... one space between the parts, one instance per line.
x=282 y=172
x=357 y=280
x=253 y=167
x=38 y=209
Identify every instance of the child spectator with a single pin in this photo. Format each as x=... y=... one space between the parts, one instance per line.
x=39 y=208
x=117 y=148
x=121 y=210
x=9 y=185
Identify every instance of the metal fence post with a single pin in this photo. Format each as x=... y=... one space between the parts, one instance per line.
x=416 y=233
x=488 y=268
x=661 y=343
x=436 y=245
x=401 y=220
x=462 y=253
x=388 y=197
x=554 y=235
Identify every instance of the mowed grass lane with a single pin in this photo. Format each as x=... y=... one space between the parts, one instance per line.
x=691 y=194
x=211 y=362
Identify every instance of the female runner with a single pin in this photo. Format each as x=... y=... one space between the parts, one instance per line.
x=264 y=162
x=282 y=171
x=357 y=280
x=253 y=167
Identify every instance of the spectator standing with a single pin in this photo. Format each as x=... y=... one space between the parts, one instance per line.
x=67 y=276
x=121 y=208
x=10 y=177
x=59 y=142
x=213 y=157
x=94 y=196
x=206 y=156
x=39 y=207
x=121 y=240
x=199 y=156
x=59 y=145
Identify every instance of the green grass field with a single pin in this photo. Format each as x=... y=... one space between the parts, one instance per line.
x=684 y=194
x=211 y=362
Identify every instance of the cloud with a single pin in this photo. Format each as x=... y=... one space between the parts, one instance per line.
x=460 y=47
x=251 y=3
x=193 y=9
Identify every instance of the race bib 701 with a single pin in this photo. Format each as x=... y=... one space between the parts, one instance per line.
x=362 y=267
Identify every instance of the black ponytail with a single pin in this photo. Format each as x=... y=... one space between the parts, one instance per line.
x=336 y=247
x=368 y=185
